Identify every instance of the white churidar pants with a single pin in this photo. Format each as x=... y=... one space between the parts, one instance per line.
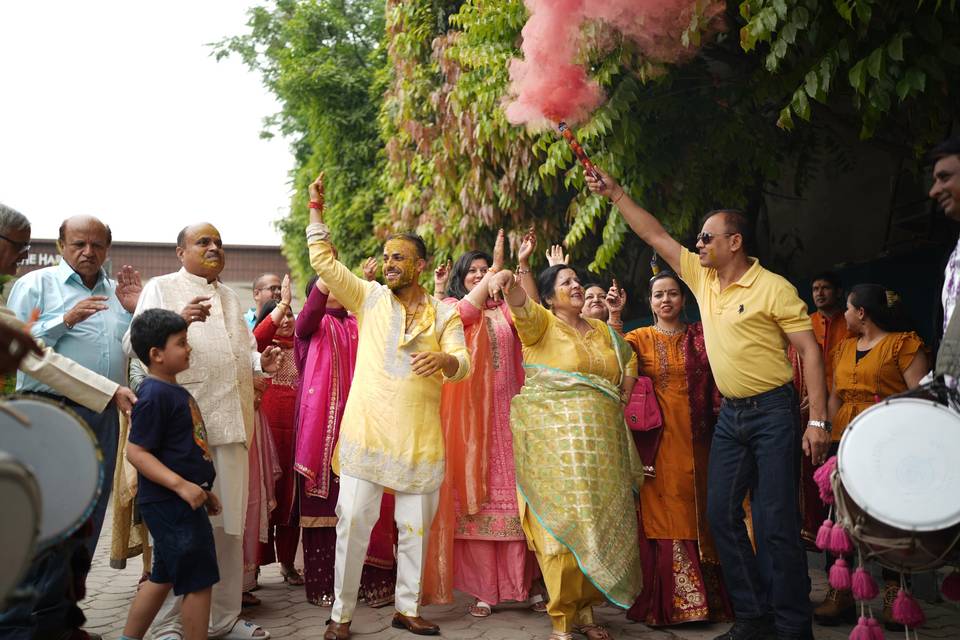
x=358 y=509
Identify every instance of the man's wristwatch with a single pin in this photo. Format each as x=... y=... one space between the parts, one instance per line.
x=826 y=425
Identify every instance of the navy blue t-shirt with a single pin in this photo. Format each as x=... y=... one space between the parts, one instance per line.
x=166 y=421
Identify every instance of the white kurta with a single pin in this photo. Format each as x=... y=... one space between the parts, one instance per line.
x=223 y=360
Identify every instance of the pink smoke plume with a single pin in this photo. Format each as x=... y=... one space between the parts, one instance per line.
x=549 y=84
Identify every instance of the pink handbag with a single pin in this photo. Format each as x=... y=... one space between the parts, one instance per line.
x=644 y=419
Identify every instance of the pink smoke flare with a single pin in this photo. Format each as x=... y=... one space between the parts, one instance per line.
x=550 y=84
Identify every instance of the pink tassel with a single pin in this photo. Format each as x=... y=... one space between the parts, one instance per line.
x=907 y=611
x=822 y=479
x=876 y=631
x=840 y=575
x=823 y=536
x=950 y=587
x=861 y=631
x=839 y=541
x=864 y=586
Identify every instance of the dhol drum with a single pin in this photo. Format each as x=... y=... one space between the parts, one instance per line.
x=62 y=453
x=897 y=483
x=20 y=497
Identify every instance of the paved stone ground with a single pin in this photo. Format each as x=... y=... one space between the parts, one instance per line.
x=286 y=613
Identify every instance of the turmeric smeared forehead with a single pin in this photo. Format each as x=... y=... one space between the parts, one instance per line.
x=402 y=246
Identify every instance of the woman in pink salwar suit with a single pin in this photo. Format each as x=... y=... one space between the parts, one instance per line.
x=477 y=544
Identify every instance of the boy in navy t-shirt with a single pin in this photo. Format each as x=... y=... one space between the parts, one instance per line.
x=168 y=447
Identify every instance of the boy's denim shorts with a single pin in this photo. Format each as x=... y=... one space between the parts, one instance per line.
x=184 y=553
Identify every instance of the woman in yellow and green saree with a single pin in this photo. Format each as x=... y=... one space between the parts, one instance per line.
x=577 y=468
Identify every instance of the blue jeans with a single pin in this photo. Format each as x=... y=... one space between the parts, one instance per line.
x=756 y=448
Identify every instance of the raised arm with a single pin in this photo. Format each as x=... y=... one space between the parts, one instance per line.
x=529 y=318
x=643 y=223
x=347 y=288
x=527 y=246
x=308 y=320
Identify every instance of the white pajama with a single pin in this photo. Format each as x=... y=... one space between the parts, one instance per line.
x=358 y=509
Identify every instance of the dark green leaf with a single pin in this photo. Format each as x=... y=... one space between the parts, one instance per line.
x=858 y=76
x=875 y=63
x=895 y=48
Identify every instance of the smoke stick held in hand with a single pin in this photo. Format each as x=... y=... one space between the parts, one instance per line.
x=578 y=151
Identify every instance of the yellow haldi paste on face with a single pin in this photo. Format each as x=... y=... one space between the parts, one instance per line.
x=407 y=266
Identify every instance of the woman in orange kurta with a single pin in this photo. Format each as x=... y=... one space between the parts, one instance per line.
x=881 y=360
x=681 y=571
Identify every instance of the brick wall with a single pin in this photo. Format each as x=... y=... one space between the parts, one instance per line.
x=244 y=262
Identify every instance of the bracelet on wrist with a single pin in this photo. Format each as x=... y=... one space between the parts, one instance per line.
x=823 y=425
x=620 y=197
x=522 y=272
x=315 y=205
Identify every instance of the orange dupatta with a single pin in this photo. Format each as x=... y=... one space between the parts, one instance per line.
x=466 y=413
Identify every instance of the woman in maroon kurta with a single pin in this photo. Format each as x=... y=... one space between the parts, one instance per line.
x=275 y=326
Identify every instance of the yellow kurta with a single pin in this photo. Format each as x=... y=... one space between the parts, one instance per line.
x=390 y=433
x=551 y=342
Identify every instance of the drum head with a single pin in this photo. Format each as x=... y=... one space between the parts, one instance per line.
x=61 y=452
x=899 y=462
x=20 y=497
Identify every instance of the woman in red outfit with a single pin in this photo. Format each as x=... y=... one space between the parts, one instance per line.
x=275 y=327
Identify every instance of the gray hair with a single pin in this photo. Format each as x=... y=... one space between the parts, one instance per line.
x=12 y=220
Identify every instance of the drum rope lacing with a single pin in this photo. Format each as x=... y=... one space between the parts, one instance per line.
x=889 y=544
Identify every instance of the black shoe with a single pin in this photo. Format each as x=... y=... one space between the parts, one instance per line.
x=752 y=629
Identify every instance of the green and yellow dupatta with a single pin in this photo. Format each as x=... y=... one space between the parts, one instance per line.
x=578 y=469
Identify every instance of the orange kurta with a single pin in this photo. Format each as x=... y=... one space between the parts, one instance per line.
x=669 y=499
x=879 y=374
x=830 y=332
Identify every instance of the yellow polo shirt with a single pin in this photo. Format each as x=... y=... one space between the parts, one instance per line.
x=745 y=325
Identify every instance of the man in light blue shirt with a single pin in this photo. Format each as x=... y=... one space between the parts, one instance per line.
x=83 y=316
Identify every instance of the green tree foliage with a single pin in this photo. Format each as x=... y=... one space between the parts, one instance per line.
x=877 y=57
x=775 y=84
x=325 y=62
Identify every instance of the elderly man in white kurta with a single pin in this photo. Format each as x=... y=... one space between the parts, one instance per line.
x=390 y=437
x=223 y=362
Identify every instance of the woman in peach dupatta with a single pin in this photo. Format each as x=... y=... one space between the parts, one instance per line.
x=477 y=543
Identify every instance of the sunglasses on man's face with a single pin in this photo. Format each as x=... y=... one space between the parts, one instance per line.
x=707 y=238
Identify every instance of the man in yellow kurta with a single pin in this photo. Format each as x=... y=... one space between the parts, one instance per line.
x=390 y=436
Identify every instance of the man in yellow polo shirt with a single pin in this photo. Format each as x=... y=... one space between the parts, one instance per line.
x=749 y=315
